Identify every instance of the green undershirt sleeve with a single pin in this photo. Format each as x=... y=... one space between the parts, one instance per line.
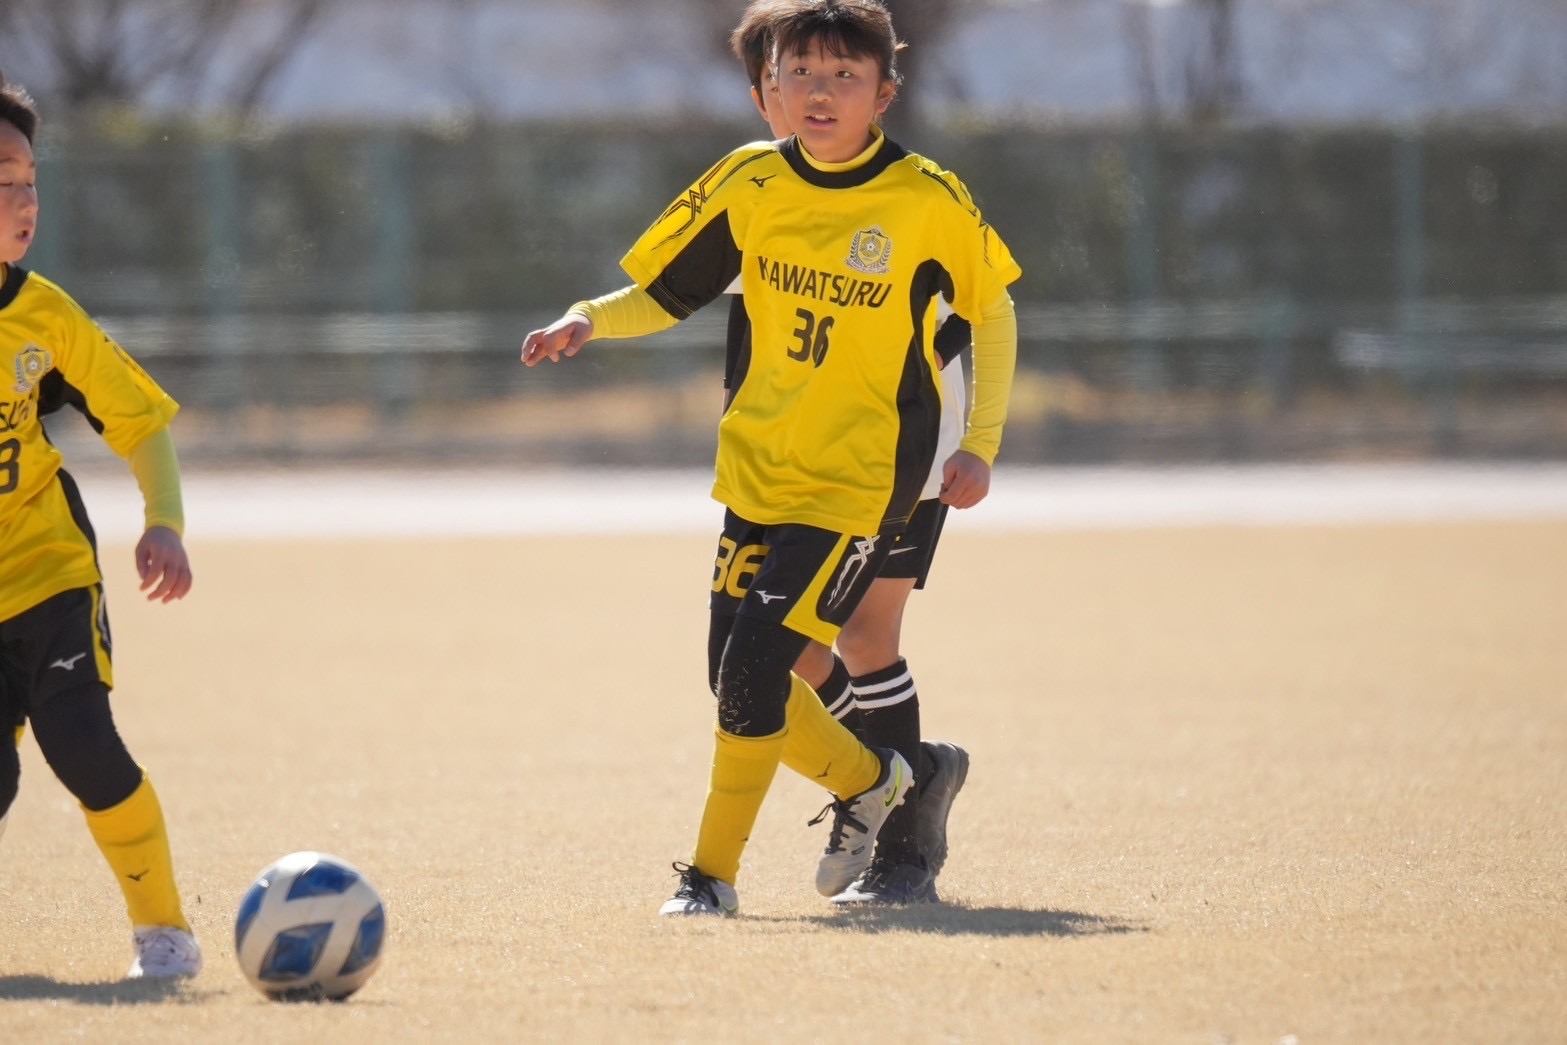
x=157 y=471
x=629 y=312
x=995 y=358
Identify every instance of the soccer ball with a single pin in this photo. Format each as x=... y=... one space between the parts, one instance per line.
x=309 y=928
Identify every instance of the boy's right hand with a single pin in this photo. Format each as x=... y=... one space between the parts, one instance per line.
x=162 y=564
x=565 y=336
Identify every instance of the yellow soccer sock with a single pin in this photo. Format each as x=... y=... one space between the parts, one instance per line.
x=821 y=748
x=134 y=841
x=743 y=770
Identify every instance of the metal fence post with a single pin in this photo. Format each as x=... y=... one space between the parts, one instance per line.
x=393 y=269
x=1147 y=366
x=49 y=252
x=220 y=281
x=1427 y=357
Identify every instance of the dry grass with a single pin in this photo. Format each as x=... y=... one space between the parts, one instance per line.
x=1228 y=786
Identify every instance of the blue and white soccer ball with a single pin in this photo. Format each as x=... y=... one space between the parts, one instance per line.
x=310 y=928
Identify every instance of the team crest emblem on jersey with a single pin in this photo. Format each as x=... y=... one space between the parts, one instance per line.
x=870 y=251
x=32 y=363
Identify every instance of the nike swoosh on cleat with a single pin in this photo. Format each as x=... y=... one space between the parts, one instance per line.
x=897 y=778
x=824 y=772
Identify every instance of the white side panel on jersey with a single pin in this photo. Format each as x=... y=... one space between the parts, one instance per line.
x=954 y=410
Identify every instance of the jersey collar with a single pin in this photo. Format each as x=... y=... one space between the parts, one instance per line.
x=15 y=276
x=881 y=154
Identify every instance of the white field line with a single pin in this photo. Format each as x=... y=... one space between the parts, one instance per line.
x=330 y=504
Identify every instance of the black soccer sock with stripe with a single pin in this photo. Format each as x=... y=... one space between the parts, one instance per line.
x=889 y=708
x=837 y=694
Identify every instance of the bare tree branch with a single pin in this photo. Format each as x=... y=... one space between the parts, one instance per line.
x=254 y=83
x=1144 y=58
x=1213 y=85
x=115 y=52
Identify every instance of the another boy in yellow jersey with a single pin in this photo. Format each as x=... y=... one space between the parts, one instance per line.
x=54 y=632
x=868 y=685
x=843 y=242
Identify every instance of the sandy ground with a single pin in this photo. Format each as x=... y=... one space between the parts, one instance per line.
x=1232 y=783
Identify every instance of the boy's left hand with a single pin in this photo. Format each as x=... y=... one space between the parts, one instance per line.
x=161 y=561
x=965 y=480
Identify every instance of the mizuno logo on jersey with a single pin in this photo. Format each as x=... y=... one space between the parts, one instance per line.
x=833 y=288
x=761 y=182
x=698 y=195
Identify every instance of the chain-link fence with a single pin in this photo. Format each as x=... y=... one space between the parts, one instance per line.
x=1253 y=294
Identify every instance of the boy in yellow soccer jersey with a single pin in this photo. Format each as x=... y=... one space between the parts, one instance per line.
x=843 y=242
x=868 y=685
x=54 y=630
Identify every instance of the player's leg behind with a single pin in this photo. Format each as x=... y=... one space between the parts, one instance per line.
x=911 y=848
x=887 y=703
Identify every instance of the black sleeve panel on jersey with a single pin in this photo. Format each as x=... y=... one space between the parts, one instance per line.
x=919 y=404
x=737 y=339
x=55 y=392
x=702 y=270
x=952 y=337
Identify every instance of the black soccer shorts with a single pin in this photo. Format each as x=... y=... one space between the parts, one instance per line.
x=53 y=647
x=808 y=579
x=915 y=548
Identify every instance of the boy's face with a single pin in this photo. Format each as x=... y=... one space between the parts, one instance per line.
x=767 y=103
x=830 y=102
x=18 y=193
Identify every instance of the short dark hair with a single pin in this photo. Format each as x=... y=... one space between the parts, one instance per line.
x=752 y=39
x=844 y=28
x=18 y=109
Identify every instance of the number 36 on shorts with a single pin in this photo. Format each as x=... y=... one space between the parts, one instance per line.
x=736 y=567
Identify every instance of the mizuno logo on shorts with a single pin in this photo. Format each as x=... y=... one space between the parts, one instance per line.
x=767 y=596
x=68 y=663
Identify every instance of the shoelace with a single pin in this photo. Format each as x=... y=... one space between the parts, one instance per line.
x=877 y=875
x=843 y=814
x=694 y=885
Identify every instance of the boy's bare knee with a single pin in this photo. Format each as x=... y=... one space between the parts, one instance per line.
x=867 y=645
x=814 y=665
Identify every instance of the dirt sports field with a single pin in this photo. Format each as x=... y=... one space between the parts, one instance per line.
x=1272 y=782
